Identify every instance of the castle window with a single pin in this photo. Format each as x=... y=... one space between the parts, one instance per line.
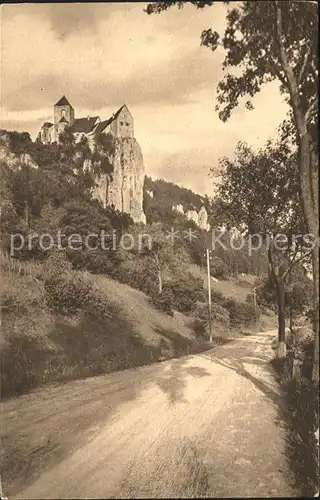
x=127 y=124
x=63 y=113
x=121 y=123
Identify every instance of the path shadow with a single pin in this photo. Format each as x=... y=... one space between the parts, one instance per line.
x=174 y=378
x=239 y=357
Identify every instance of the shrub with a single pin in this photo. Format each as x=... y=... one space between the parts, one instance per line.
x=218 y=297
x=138 y=273
x=186 y=291
x=67 y=295
x=56 y=265
x=95 y=261
x=218 y=268
x=302 y=416
x=241 y=313
x=11 y=303
x=22 y=363
x=199 y=326
x=220 y=314
x=66 y=292
x=163 y=301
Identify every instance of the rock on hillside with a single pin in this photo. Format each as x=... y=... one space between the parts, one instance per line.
x=124 y=189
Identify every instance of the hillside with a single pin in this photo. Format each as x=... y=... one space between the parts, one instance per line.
x=168 y=192
x=116 y=327
x=41 y=345
x=70 y=313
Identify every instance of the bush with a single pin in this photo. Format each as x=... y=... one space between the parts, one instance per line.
x=241 y=313
x=138 y=273
x=302 y=416
x=23 y=361
x=67 y=295
x=186 y=291
x=199 y=326
x=163 y=301
x=218 y=297
x=66 y=292
x=56 y=265
x=218 y=268
x=220 y=314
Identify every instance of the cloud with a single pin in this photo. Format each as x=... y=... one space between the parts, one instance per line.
x=173 y=83
x=102 y=55
x=124 y=56
x=66 y=19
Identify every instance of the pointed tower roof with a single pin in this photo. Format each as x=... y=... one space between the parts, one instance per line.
x=63 y=102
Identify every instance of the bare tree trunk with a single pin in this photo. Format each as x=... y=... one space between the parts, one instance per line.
x=26 y=213
x=281 y=354
x=160 y=282
x=291 y=321
x=308 y=167
x=315 y=368
x=280 y=290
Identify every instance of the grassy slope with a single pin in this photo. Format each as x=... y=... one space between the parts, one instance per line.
x=40 y=347
x=233 y=288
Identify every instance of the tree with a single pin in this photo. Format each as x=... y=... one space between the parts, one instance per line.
x=165 y=256
x=298 y=296
x=275 y=41
x=271 y=216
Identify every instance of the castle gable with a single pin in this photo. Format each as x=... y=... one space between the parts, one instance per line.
x=63 y=102
x=122 y=123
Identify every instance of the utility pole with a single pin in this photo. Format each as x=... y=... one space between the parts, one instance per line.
x=209 y=293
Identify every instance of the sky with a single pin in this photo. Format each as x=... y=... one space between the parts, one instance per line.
x=101 y=55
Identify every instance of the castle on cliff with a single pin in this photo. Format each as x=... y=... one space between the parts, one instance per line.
x=120 y=124
x=124 y=188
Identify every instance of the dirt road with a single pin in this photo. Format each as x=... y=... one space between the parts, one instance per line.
x=203 y=425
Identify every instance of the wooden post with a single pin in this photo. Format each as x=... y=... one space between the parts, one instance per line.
x=209 y=294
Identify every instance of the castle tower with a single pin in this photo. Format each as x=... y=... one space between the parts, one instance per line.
x=63 y=116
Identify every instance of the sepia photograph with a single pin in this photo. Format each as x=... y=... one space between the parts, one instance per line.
x=159 y=249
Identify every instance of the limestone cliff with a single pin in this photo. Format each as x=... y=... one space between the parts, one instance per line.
x=124 y=188
x=13 y=160
x=199 y=218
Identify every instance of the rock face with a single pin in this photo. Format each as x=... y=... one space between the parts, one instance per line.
x=178 y=208
x=199 y=218
x=124 y=189
x=192 y=215
x=11 y=159
x=203 y=218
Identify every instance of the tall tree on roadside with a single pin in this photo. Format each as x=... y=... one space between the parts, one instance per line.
x=275 y=41
x=271 y=215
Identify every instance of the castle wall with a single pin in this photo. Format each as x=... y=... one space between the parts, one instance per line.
x=122 y=126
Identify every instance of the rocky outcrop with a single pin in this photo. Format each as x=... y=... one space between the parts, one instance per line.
x=178 y=208
x=199 y=218
x=192 y=215
x=124 y=188
x=11 y=159
x=203 y=218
